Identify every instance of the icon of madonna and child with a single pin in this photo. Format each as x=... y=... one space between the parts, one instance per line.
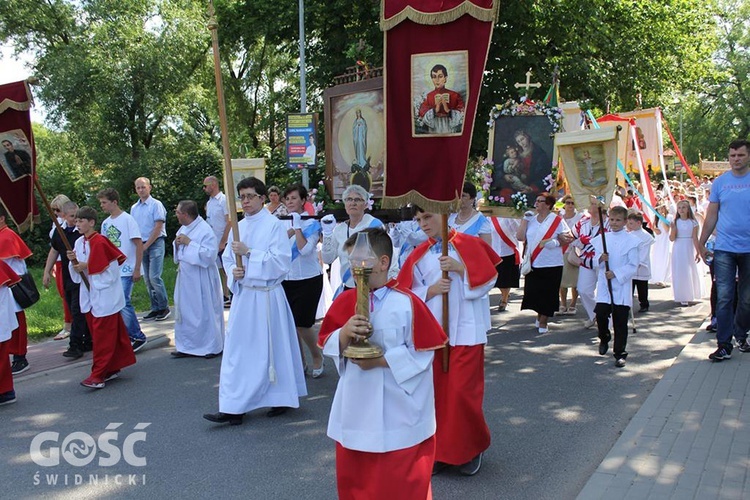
x=520 y=165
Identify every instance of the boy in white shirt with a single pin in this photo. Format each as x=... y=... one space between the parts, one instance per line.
x=385 y=445
x=643 y=274
x=622 y=256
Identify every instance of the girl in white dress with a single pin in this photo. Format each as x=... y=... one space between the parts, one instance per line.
x=686 y=282
x=661 y=251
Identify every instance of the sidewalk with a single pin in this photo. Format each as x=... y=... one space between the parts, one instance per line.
x=691 y=437
x=46 y=357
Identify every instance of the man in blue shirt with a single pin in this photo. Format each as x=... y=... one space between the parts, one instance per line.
x=151 y=216
x=727 y=213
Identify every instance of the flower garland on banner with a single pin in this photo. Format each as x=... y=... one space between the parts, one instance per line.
x=322 y=200
x=526 y=107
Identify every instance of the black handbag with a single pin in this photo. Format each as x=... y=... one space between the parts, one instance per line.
x=25 y=291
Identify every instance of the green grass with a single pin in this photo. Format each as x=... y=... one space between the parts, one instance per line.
x=45 y=318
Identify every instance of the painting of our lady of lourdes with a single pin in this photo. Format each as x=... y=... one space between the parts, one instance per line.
x=439 y=90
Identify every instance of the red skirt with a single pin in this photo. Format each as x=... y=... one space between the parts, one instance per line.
x=395 y=475
x=462 y=432
x=6 y=376
x=19 y=340
x=67 y=317
x=112 y=349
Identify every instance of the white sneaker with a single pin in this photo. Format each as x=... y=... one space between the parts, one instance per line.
x=588 y=323
x=62 y=334
x=543 y=329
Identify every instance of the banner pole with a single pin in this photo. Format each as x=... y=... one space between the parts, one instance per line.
x=229 y=187
x=446 y=309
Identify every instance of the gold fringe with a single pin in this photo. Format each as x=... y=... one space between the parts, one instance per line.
x=487 y=15
x=413 y=197
x=18 y=106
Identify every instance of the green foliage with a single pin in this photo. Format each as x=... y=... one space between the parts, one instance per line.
x=45 y=318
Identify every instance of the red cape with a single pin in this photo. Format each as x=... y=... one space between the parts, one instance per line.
x=8 y=277
x=11 y=245
x=427 y=334
x=102 y=253
x=476 y=255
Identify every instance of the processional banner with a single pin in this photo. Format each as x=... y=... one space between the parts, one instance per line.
x=590 y=161
x=435 y=55
x=18 y=161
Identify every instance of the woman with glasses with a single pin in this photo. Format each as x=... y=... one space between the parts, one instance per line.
x=56 y=204
x=356 y=200
x=570 y=270
x=468 y=220
x=545 y=233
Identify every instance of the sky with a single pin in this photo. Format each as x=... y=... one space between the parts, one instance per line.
x=13 y=70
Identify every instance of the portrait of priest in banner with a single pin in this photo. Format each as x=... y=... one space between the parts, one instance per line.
x=16 y=158
x=438 y=109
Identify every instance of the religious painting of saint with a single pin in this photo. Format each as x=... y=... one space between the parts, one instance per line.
x=521 y=155
x=16 y=159
x=439 y=90
x=590 y=165
x=588 y=159
x=355 y=136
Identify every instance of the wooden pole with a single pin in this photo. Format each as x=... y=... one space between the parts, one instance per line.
x=446 y=322
x=229 y=187
x=58 y=227
x=606 y=263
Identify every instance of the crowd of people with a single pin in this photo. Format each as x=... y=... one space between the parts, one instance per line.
x=274 y=278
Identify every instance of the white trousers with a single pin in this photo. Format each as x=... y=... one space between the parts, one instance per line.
x=587 y=290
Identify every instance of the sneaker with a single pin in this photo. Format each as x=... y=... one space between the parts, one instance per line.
x=439 y=467
x=588 y=323
x=643 y=309
x=7 y=398
x=164 y=314
x=93 y=383
x=111 y=376
x=472 y=467
x=151 y=315
x=720 y=354
x=73 y=352
x=19 y=366
x=62 y=335
x=138 y=344
x=743 y=346
x=619 y=363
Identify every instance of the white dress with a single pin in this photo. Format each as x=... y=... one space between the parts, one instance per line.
x=686 y=282
x=661 y=256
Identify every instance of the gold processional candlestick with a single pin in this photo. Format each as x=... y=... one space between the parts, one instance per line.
x=362 y=259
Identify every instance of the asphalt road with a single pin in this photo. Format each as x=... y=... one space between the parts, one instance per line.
x=554 y=406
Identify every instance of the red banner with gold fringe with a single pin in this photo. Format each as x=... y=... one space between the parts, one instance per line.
x=18 y=158
x=435 y=55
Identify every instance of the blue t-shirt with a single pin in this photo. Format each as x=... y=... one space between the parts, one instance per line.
x=733 y=227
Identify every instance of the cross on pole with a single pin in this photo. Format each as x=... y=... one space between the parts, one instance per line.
x=528 y=85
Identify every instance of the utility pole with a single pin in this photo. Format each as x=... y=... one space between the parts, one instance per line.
x=302 y=80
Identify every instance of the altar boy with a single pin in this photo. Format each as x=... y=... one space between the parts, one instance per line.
x=8 y=323
x=102 y=300
x=383 y=412
x=622 y=255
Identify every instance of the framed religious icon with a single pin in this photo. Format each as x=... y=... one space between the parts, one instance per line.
x=439 y=91
x=355 y=136
x=521 y=154
x=589 y=160
x=16 y=160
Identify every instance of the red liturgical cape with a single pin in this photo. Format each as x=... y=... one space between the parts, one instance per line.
x=11 y=245
x=476 y=255
x=7 y=276
x=427 y=333
x=102 y=253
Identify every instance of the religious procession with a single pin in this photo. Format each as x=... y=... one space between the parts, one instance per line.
x=365 y=282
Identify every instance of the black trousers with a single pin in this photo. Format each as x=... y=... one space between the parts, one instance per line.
x=619 y=322
x=80 y=338
x=642 y=287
